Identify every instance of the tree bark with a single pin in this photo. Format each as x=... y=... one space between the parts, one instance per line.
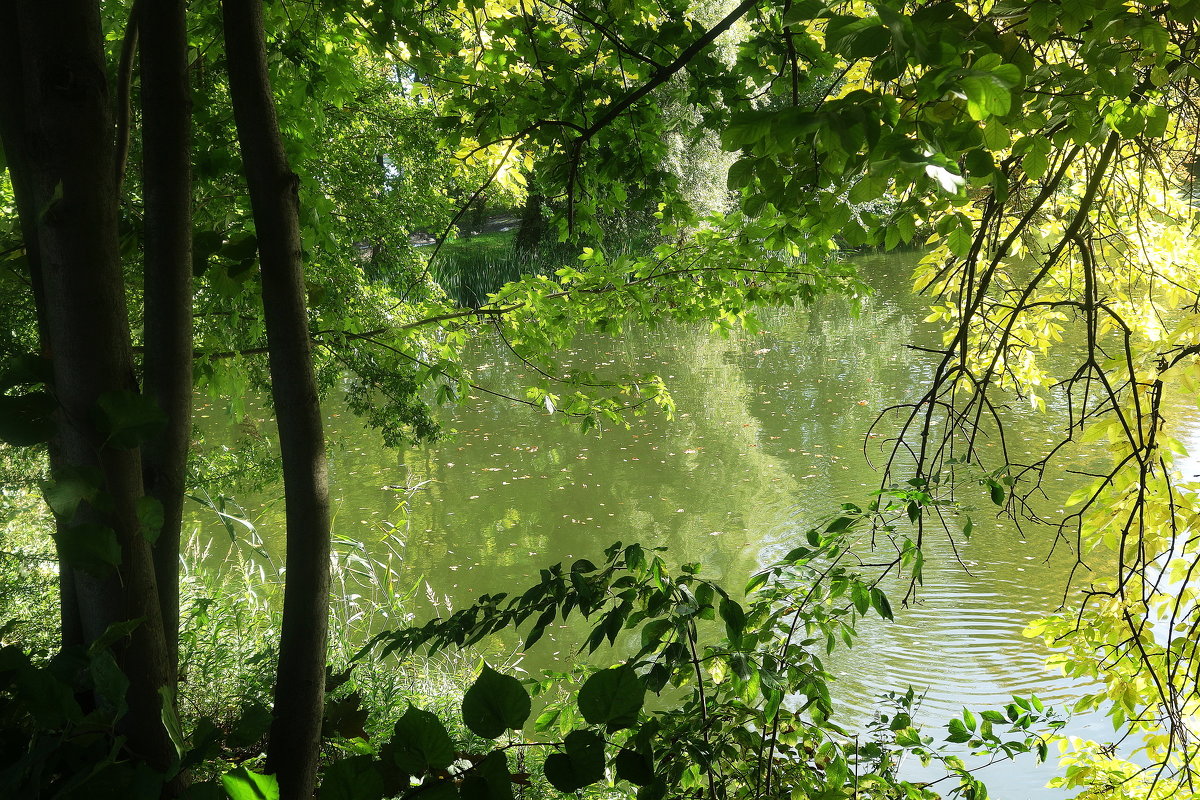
x=59 y=135
x=533 y=226
x=12 y=125
x=300 y=682
x=167 y=192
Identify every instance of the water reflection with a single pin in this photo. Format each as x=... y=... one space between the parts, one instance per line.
x=769 y=440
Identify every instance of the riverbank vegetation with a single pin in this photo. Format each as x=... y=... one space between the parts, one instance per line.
x=264 y=197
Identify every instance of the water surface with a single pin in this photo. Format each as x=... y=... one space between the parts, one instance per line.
x=771 y=436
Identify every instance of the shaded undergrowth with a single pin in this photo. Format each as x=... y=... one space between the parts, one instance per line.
x=471 y=268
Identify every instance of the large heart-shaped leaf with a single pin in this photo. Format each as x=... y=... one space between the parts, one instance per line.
x=495 y=703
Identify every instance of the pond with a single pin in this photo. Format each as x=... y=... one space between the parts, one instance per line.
x=770 y=437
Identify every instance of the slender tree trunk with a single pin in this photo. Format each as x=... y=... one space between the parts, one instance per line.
x=300 y=683
x=167 y=190
x=58 y=132
x=12 y=126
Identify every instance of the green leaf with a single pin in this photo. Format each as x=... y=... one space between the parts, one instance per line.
x=251 y=726
x=69 y=487
x=242 y=248
x=868 y=188
x=242 y=784
x=979 y=163
x=421 y=743
x=960 y=240
x=987 y=94
x=488 y=780
x=344 y=717
x=26 y=369
x=355 y=778
x=494 y=704
x=891 y=238
x=204 y=245
x=804 y=10
x=1035 y=161
x=110 y=682
x=654 y=632
x=968 y=719
x=539 y=627
x=128 y=418
x=860 y=595
x=958 y=732
x=741 y=174
x=997 y=492
x=150 y=516
x=880 y=603
x=655 y=791
x=91 y=547
x=612 y=697
x=839 y=524
x=546 y=719
x=170 y=720
x=1157 y=120
x=582 y=763
x=856 y=38
x=1146 y=31
x=735 y=620
x=754 y=205
x=634 y=767
x=996 y=135
x=113 y=634
x=25 y=419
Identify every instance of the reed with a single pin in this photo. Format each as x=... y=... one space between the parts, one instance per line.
x=469 y=270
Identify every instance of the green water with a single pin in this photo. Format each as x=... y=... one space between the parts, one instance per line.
x=770 y=437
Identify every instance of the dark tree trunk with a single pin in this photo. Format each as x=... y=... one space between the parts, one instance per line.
x=300 y=683
x=479 y=214
x=167 y=191
x=12 y=126
x=533 y=226
x=59 y=135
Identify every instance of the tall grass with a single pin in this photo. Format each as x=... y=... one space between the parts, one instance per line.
x=28 y=573
x=470 y=272
x=232 y=608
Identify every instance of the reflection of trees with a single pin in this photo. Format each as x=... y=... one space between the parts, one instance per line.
x=585 y=491
x=763 y=442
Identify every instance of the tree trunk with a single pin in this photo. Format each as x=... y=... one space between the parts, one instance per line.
x=533 y=226
x=59 y=138
x=300 y=682
x=167 y=192
x=12 y=126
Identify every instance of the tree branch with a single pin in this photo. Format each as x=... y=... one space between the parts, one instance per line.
x=129 y=46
